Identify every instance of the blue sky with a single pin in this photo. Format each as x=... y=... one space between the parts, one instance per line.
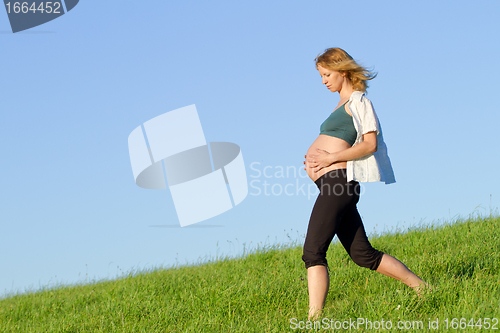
x=74 y=88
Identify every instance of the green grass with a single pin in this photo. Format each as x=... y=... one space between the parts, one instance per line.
x=264 y=290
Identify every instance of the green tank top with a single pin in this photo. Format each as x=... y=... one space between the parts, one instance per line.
x=340 y=125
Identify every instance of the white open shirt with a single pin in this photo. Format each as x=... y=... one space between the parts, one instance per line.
x=373 y=167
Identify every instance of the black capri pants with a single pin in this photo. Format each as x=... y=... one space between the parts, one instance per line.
x=335 y=212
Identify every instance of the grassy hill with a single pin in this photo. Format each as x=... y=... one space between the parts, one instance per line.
x=266 y=291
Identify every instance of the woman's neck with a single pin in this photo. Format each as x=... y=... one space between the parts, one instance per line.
x=346 y=93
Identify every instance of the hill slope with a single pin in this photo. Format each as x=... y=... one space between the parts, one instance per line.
x=266 y=290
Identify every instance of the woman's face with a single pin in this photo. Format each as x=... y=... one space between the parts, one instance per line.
x=333 y=80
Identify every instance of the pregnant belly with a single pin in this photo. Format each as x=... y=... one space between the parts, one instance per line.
x=330 y=144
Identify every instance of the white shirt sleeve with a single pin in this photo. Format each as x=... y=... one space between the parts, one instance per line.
x=368 y=120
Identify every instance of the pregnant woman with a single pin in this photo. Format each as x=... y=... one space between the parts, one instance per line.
x=349 y=149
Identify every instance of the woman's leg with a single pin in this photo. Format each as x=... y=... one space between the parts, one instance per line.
x=325 y=217
x=394 y=268
x=352 y=235
x=318 y=283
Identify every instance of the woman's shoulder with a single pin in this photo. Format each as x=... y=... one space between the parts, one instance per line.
x=359 y=102
x=359 y=96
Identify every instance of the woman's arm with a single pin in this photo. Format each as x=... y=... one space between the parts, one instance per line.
x=323 y=159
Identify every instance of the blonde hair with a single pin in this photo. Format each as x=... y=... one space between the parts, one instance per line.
x=339 y=60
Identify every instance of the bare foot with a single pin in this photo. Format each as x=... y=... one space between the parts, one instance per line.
x=423 y=288
x=314 y=314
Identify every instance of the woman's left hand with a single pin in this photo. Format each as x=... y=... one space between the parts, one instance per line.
x=320 y=160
